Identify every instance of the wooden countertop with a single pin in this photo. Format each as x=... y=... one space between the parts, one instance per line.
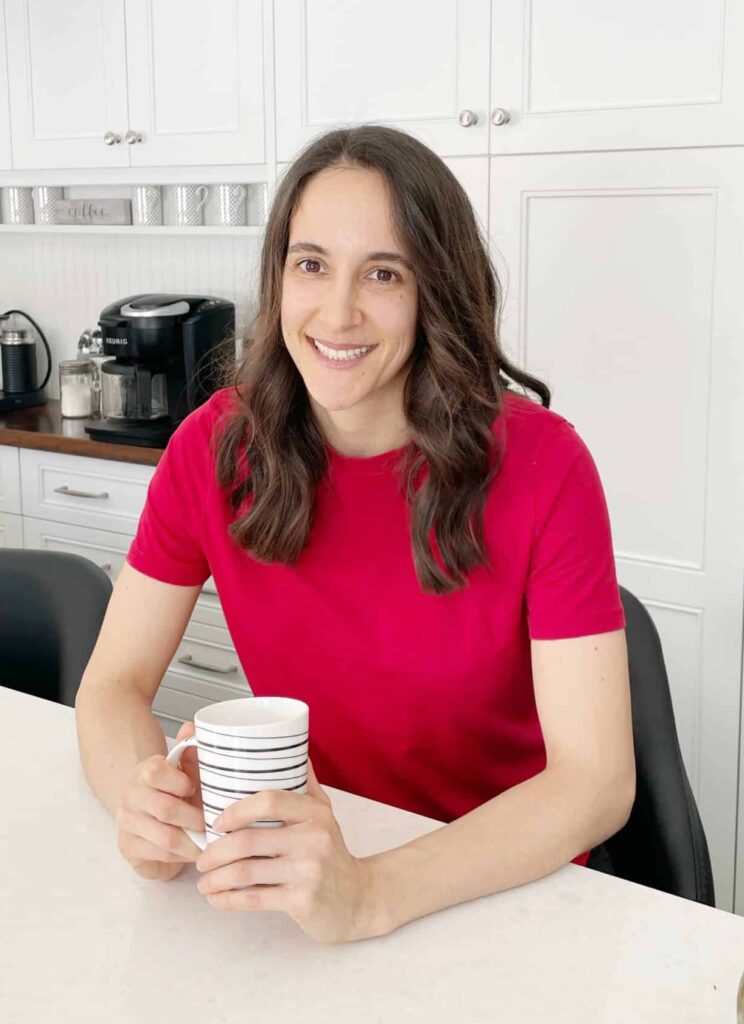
x=42 y=426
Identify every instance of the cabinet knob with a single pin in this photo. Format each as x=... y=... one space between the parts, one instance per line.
x=131 y=137
x=467 y=118
x=499 y=116
x=111 y=138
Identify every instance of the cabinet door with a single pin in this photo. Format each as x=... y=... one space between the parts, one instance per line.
x=574 y=76
x=11 y=531
x=67 y=82
x=195 y=74
x=5 y=160
x=414 y=65
x=624 y=277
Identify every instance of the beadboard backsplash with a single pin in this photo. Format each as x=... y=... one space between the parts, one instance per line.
x=64 y=282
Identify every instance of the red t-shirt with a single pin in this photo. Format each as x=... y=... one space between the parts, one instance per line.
x=421 y=701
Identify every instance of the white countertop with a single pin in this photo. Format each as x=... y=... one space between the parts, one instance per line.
x=84 y=939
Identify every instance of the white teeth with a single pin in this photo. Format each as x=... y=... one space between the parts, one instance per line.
x=331 y=353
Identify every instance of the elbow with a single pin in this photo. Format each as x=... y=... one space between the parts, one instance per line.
x=623 y=793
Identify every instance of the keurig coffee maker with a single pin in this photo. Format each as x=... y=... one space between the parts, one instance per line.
x=166 y=350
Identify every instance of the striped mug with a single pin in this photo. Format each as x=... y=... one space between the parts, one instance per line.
x=243 y=747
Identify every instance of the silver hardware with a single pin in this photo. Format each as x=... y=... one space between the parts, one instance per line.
x=131 y=137
x=499 y=116
x=106 y=566
x=15 y=338
x=111 y=138
x=467 y=118
x=79 y=494
x=173 y=309
x=188 y=660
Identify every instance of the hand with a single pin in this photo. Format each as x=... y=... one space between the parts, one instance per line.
x=158 y=799
x=314 y=878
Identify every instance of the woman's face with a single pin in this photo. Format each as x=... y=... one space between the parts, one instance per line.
x=347 y=285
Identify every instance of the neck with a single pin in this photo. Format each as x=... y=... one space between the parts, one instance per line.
x=357 y=434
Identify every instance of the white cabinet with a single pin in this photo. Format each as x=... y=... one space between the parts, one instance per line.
x=67 y=78
x=10 y=480
x=11 y=531
x=109 y=83
x=624 y=277
x=195 y=81
x=5 y=153
x=576 y=76
x=415 y=65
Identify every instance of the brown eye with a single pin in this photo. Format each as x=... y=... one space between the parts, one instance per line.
x=386 y=270
x=308 y=261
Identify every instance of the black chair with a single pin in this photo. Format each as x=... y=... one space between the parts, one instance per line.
x=662 y=845
x=52 y=605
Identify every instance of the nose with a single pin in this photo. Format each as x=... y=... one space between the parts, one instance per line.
x=340 y=309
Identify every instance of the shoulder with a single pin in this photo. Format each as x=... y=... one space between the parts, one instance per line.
x=539 y=438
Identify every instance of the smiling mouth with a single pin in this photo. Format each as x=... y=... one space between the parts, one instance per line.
x=339 y=354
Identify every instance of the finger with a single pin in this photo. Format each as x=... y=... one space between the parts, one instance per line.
x=169 y=838
x=248 y=842
x=269 y=805
x=157 y=773
x=242 y=874
x=172 y=810
x=187 y=729
x=135 y=849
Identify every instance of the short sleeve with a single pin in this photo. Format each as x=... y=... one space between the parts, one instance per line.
x=572 y=587
x=168 y=543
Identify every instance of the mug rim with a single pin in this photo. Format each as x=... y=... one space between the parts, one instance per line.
x=289 y=710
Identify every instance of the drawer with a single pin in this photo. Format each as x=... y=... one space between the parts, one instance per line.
x=199 y=659
x=108 y=550
x=101 y=493
x=11 y=531
x=179 y=700
x=10 y=480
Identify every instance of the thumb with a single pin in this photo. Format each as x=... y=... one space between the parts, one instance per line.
x=187 y=729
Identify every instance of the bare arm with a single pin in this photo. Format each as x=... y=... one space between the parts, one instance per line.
x=141 y=631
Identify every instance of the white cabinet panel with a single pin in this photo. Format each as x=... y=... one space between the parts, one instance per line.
x=11 y=530
x=5 y=155
x=10 y=480
x=416 y=66
x=623 y=293
x=643 y=74
x=195 y=76
x=67 y=81
x=101 y=493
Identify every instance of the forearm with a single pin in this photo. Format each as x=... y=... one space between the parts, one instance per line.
x=116 y=729
x=521 y=835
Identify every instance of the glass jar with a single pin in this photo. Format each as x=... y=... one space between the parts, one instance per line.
x=76 y=384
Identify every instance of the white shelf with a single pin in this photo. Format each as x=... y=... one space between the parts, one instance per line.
x=130 y=229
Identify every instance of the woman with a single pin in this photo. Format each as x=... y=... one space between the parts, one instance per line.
x=421 y=554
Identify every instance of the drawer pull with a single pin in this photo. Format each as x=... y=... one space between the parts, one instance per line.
x=106 y=566
x=188 y=660
x=79 y=494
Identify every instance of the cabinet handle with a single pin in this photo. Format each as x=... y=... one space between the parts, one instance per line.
x=79 y=494
x=467 y=118
x=106 y=566
x=111 y=138
x=131 y=137
x=188 y=660
x=499 y=116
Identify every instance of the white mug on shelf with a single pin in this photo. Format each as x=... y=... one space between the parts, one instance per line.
x=226 y=205
x=183 y=204
x=147 y=205
x=44 y=198
x=17 y=205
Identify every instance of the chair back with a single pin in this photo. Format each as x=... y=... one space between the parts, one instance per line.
x=52 y=605
x=663 y=844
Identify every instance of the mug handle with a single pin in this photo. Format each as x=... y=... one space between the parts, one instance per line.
x=200 y=838
x=203 y=192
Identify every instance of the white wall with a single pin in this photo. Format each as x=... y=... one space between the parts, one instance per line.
x=64 y=281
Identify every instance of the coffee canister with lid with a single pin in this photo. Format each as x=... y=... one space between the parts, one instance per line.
x=76 y=387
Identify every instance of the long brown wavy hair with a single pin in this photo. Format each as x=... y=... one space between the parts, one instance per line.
x=452 y=394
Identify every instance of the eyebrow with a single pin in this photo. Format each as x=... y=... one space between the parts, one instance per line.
x=392 y=257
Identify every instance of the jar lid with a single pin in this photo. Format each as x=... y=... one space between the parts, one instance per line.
x=76 y=364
